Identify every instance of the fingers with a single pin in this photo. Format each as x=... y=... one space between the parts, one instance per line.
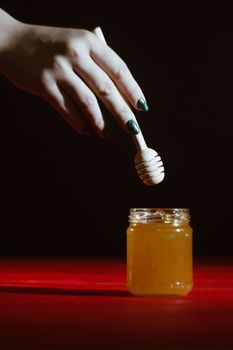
x=89 y=70
x=84 y=98
x=118 y=71
x=66 y=107
x=105 y=89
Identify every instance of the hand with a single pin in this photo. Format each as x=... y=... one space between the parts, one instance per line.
x=71 y=68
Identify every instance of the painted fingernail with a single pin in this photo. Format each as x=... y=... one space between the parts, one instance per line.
x=133 y=127
x=142 y=104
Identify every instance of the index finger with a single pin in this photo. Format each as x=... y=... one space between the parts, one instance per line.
x=118 y=71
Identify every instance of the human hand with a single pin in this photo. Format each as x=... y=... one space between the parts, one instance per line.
x=71 y=68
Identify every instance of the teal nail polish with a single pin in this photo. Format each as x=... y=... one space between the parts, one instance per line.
x=133 y=127
x=142 y=104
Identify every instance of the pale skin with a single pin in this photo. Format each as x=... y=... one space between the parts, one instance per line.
x=71 y=69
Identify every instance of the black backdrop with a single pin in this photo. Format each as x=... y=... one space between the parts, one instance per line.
x=66 y=195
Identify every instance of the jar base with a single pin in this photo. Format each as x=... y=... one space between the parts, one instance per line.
x=162 y=292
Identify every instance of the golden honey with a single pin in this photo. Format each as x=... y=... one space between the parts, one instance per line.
x=159 y=252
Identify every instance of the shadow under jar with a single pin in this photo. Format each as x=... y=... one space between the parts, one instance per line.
x=159 y=251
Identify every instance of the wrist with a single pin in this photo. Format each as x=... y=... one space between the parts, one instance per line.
x=10 y=31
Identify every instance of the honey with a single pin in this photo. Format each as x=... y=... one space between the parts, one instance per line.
x=159 y=252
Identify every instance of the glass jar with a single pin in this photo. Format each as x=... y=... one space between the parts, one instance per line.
x=159 y=251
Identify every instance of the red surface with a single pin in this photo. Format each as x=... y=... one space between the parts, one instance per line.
x=84 y=304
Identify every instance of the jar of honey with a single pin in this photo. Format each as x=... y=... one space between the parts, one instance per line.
x=159 y=252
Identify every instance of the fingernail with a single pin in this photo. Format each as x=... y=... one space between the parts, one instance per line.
x=142 y=104
x=133 y=127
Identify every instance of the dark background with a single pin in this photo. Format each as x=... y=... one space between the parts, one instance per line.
x=66 y=195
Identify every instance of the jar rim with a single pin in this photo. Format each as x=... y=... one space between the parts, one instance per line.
x=157 y=208
x=164 y=215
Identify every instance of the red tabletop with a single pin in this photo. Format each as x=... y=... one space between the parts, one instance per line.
x=84 y=304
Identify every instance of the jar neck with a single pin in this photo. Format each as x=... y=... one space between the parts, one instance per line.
x=173 y=216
